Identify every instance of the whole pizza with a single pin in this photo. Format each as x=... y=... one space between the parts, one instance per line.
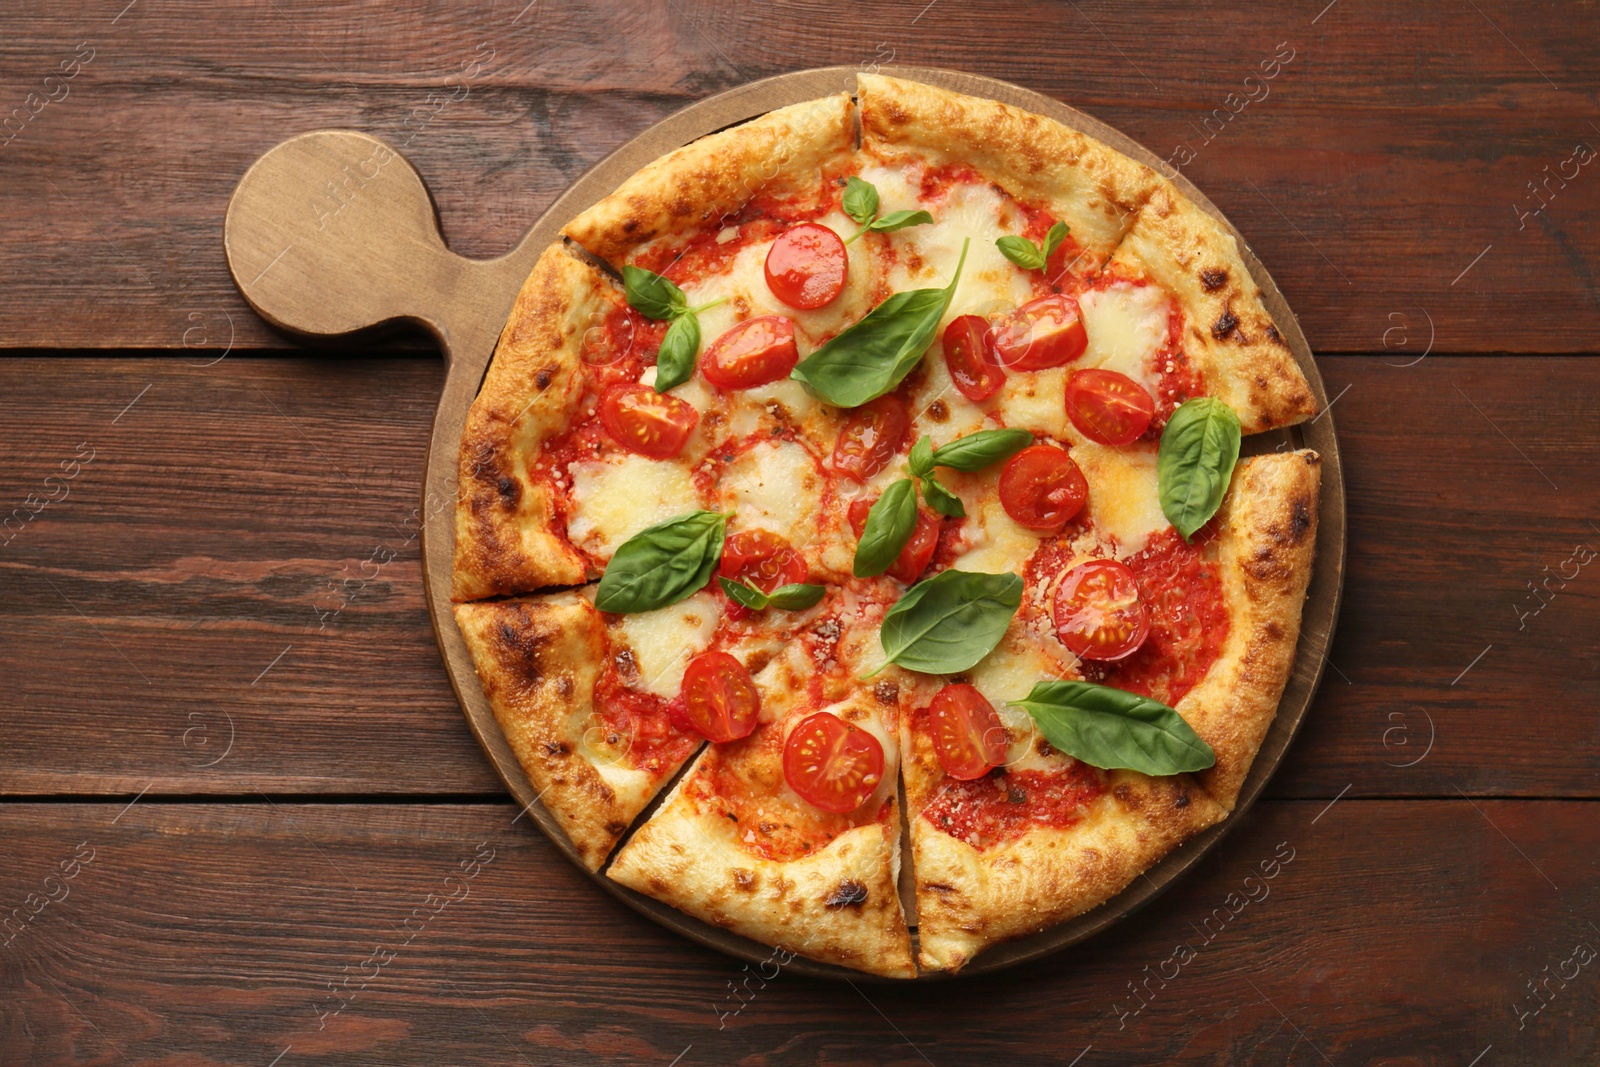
x=870 y=473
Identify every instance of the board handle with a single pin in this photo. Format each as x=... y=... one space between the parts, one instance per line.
x=333 y=231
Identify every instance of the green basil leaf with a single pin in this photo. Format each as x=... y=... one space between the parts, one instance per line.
x=651 y=295
x=1199 y=448
x=899 y=220
x=1053 y=239
x=871 y=357
x=922 y=456
x=1113 y=729
x=663 y=564
x=1021 y=251
x=860 y=200
x=951 y=621
x=796 y=597
x=888 y=528
x=745 y=594
x=679 y=347
x=982 y=449
x=941 y=499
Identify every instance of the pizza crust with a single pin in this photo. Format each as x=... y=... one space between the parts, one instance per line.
x=1096 y=190
x=508 y=538
x=787 y=152
x=539 y=659
x=1242 y=358
x=838 y=905
x=1265 y=547
x=968 y=899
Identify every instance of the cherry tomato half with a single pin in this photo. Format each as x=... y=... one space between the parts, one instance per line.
x=1098 y=613
x=720 y=702
x=755 y=352
x=807 y=266
x=1108 y=407
x=831 y=763
x=647 y=422
x=914 y=558
x=1041 y=488
x=969 y=353
x=871 y=437
x=967 y=734
x=762 y=558
x=1047 y=332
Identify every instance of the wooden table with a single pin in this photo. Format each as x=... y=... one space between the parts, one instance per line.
x=235 y=781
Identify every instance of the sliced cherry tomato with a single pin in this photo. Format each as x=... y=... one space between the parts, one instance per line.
x=871 y=437
x=807 y=266
x=831 y=763
x=647 y=422
x=914 y=558
x=1098 y=613
x=1047 y=332
x=1041 y=487
x=755 y=352
x=967 y=734
x=1108 y=407
x=720 y=702
x=762 y=558
x=969 y=353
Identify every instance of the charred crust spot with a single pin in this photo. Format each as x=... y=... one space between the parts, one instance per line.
x=658 y=885
x=630 y=225
x=744 y=879
x=1226 y=323
x=510 y=492
x=556 y=748
x=938 y=411
x=543 y=377
x=1015 y=795
x=938 y=887
x=1182 y=801
x=626 y=665
x=847 y=894
x=1299 y=519
x=565 y=687
x=1213 y=278
x=886 y=692
x=1273 y=335
x=616 y=829
x=1045 y=748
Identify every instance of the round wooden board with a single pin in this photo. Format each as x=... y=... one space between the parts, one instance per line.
x=465 y=303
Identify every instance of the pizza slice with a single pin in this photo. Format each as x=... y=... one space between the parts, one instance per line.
x=790 y=834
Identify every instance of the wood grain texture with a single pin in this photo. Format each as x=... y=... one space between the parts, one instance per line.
x=1368 y=173
x=1394 y=932
x=237 y=510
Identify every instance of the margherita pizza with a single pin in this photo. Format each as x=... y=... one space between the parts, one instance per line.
x=881 y=492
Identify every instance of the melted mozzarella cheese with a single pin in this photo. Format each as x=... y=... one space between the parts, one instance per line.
x=665 y=640
x=615 y=498
x=1036 y=401
x=773 y=486
x=937 y=407
x=1126 y=326
x=1124 y=494
x=1000 y=545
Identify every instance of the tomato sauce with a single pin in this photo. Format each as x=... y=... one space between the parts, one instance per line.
x=1177 y=378
x=1182 y=591
x=638 y=726
x=1003 y=805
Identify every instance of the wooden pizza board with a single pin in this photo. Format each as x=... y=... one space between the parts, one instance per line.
x=333 y=232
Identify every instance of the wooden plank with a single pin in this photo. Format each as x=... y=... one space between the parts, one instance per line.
x=1370 y=175
x=1392 y=931
x=195 y=575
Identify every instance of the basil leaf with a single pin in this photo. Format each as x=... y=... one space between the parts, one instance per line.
x=860 y=200
x=951 y=621
x=871 y=357
x=663 y=564
x=1113 y=729
x=679 y=347
x=982 y=449
x=796 y=597
x=941 y=499
x=744 y=593
x=1053 y=239
x=1021 y=251
x=922 y=456
x=899 y=220
x=888 y=528
x=1199 y=448
x=651 y=295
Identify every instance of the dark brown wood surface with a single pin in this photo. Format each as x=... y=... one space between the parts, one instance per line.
x=196 y=618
